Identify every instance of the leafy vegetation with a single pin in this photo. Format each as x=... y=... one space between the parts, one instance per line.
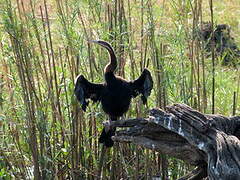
x=44 y=46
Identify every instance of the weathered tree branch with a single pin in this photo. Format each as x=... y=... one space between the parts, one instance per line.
x=210 y=142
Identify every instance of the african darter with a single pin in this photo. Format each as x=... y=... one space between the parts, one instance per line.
x=115 y=93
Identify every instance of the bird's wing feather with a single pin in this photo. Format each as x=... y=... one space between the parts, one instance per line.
x=143 y=85
x=86 y=90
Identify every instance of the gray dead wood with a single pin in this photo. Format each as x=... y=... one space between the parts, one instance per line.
x=209 y=142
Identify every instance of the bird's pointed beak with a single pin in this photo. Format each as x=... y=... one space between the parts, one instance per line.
x=101 y=43
x=93 y=41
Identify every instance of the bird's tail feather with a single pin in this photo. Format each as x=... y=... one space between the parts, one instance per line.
x=105 y=137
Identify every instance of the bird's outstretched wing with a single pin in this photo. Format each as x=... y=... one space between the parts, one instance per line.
x=143 y=85
x=85 y=90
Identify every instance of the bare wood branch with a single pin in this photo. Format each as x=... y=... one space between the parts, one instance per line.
x=202 y=140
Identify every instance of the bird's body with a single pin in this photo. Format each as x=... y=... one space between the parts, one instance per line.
x=115 y=93
x=116 y=96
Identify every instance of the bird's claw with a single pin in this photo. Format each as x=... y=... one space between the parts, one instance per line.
x=107 y=126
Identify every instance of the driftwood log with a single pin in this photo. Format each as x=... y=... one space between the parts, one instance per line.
x=209 y=142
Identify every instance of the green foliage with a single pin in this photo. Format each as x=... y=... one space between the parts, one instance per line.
x=44 y=46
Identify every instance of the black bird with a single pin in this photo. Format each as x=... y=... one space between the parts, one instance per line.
x=115 y=93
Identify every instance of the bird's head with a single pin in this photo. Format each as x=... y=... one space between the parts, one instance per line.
x=103 y=44
x=112 y=65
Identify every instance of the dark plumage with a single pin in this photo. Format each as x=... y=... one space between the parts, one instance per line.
x=115 y=93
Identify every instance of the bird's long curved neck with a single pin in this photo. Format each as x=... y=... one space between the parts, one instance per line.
x=112 y=65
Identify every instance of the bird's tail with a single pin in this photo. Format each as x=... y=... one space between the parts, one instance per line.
x=105 y=137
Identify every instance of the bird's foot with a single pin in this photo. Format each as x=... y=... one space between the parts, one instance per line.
x=107 y=126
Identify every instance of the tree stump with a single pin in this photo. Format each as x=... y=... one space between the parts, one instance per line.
x=209 y=142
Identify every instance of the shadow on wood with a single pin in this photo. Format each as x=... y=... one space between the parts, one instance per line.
x=209 y=142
